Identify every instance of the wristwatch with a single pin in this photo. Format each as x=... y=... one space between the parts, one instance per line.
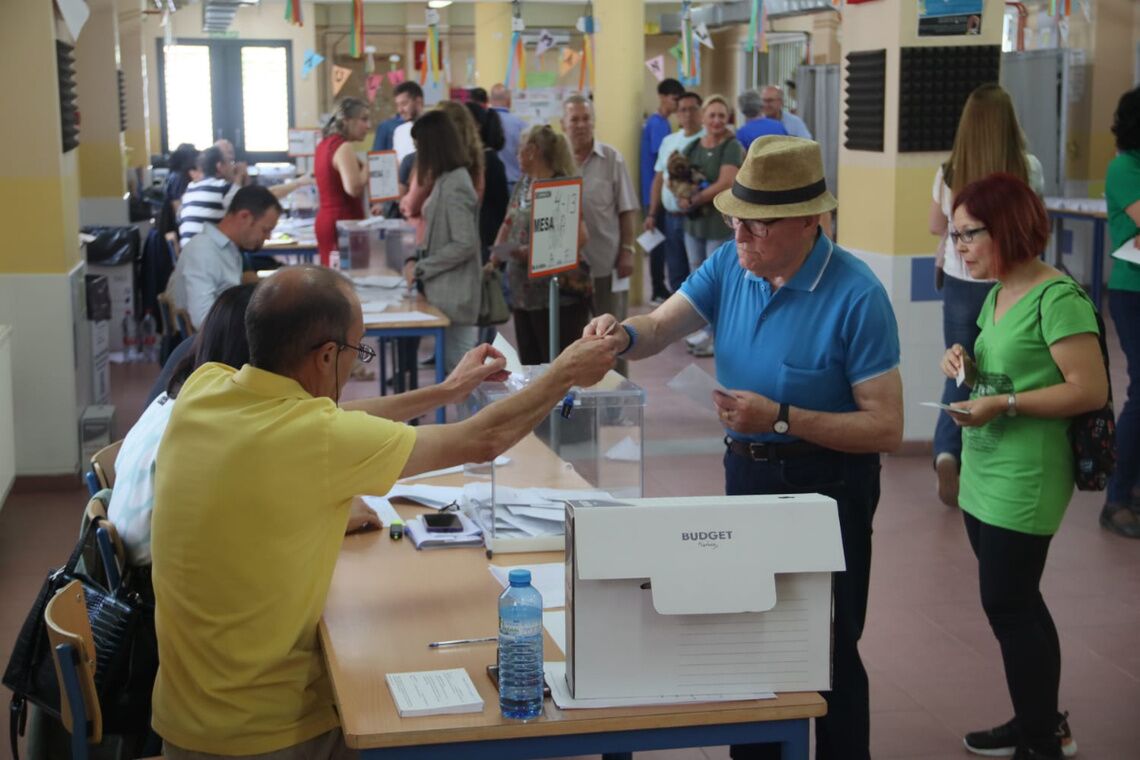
x=781 y=424
x=1011 y=405
x=628 y=247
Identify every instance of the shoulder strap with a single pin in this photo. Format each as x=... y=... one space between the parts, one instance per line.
x=1096 y=313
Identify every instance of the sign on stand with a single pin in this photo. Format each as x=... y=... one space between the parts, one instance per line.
x=556 y=209
x=383 y=176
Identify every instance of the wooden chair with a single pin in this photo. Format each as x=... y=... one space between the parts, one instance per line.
x=166 y=316
x=73 y=650
x=112 y=553
x=103 y=464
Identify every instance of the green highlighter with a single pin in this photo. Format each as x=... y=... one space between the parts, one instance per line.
x=396 y=530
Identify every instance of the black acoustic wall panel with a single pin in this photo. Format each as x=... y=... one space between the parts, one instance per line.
x=122 y=100
x=866 y=100
x=68 y=113
x=934 y=83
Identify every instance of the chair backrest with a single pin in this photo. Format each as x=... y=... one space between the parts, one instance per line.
x=185 y=324
x=166 y=316
x=73 y=650
x=113 y=553
x=103 y=464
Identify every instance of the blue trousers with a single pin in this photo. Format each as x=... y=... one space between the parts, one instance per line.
x=853 y=481
x=1124 y=305
x=676 y=260
x=961 y=303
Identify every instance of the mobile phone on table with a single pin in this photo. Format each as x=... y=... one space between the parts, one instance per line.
x=443 y=522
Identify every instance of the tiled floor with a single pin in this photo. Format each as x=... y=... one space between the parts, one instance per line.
x=934 y=666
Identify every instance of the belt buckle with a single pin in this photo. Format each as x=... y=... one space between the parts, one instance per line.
x=754 y=447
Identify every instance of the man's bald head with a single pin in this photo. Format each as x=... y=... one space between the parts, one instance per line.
x=500 y=96
x=295 y=311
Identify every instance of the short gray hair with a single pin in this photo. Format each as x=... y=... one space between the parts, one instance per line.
x=749 y=104
x=577 y=99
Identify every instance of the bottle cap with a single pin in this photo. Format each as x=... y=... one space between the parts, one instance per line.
x=520 y=577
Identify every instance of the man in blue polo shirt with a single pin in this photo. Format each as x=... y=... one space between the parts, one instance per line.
x=756 y=124
x=656 y=129
x=815 y=393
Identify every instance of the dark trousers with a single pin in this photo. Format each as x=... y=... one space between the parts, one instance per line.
x=1124 y=305
x=676 y=259
x=532 y=330
x=1010 y=564
x=961 y=303
x=657 y=264
x=853 y=481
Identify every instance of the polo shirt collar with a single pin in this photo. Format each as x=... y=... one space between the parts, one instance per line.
x=597 y=149
x=811 y=271
x=219 y=238
x=269 y=384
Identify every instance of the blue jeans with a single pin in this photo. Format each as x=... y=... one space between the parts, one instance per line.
x=853 y=481
x=961 y=303
x=698 y=249
x=1124 y=306
x=676 y=260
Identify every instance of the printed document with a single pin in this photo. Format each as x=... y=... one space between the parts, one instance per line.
x=434 y=692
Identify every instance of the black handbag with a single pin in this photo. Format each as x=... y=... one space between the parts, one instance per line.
x=122 y=624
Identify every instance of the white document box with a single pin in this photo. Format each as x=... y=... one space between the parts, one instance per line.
x=700 y=596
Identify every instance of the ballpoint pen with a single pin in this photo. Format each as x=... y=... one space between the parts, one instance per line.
x=457 y=642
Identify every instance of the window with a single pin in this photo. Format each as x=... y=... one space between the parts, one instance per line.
x=232 y=89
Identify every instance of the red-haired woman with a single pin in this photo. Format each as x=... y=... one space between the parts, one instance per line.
x=1037 y=364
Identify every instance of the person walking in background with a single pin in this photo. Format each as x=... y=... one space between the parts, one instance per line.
x=513 y=128
x=988 y=140
x=772 y=98
x=341 y=176
x=662 y=202
x=717 y=156
x=543 y=154
x=1121 y=513
x=655 y=130
x=1037 y=364
x=609 y=209
x=756 y=124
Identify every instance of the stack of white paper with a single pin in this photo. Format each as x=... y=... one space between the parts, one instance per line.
x=434 y=692
x=522 y=512
x=417 y=531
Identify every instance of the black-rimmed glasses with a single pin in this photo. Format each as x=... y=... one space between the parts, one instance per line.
x=966 y=235
x=364 y=353
x=756 y=227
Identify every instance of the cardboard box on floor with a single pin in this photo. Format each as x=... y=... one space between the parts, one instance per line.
x=700 y=596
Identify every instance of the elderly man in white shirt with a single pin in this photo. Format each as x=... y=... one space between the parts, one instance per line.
x=772 y=99
x=212 y=261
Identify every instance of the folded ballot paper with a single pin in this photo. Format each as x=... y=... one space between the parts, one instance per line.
x=1128 y=252
x=522 y=512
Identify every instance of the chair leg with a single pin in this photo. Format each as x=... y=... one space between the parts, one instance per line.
x=74 y=696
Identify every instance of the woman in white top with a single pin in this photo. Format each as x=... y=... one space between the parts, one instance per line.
x=988 y=140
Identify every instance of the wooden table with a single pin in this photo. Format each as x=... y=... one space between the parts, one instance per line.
x=303 y=252
x=388 y=600
x=391 y=330
x=1099 y=221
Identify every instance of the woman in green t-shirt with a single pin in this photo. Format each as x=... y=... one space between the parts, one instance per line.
x=1121 y=513
x=1037 y=364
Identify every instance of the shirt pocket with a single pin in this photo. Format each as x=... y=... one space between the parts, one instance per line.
x=822 y=389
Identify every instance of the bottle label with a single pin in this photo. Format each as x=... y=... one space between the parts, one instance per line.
x=520 y=627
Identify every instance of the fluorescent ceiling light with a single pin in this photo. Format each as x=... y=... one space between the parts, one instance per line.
x=438 y=3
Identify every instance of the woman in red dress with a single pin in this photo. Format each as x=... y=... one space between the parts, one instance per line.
x=341 y=176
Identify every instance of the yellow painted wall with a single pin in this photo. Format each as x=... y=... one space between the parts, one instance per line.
x=1112 y=76
x=101 y=169
x=133 y=55
x=39 y=185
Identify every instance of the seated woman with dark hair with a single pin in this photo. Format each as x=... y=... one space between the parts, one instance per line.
x=222 y=339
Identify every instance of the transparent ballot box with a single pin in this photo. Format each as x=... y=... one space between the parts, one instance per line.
x=594 y=453
x=375 y=243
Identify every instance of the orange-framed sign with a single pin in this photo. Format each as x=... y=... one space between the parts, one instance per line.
x=556 y=210
x=383 y=175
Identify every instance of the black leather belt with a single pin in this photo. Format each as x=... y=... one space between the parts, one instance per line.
x=773 y=452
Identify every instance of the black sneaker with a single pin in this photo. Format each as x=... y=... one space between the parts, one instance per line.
x=1025 y=753
x=1001 y=741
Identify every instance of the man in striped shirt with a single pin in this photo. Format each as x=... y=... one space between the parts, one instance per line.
x=207 y=199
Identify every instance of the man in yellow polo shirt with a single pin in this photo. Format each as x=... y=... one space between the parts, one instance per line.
x=254 y=479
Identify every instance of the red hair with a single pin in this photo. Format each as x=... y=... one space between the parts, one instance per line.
x=1014 y=217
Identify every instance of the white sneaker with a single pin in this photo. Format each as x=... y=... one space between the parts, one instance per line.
x=697 y=338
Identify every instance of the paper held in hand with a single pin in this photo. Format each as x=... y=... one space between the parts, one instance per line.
x=555 y=213
x=1128 y=252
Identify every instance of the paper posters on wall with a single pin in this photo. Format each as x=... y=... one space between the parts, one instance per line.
x=538 y=105
x=340 y=75
x=383 y=176
x=395 y=77
x=656 y=67
x=948 y=18
x=303 y=142
x=555 y=213
x=701 y=31
x=545 y=42
x=570 y=59
x=311 y=60
x=372 y=86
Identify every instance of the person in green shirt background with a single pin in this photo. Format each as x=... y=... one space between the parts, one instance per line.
x=1037 y=364
x=1121 y=513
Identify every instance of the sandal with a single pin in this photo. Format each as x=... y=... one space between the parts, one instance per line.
x=1121 y=520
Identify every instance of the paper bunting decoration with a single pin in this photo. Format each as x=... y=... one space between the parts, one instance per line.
x=356 y=35
x=570 y=59
x=430 y=65
x=688 y=54
x=293 y=12
x=395 y=77
x=656 y=67
x=753 y=21
x=340 y=75
x=369 y=60
x=516 y=63
x=311 y=61
x=372 y=86
x=703 y=36
x=762 y=32
x=545 y=42
x=586 y=73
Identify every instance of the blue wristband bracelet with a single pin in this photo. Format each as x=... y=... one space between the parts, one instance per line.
x=632 y=339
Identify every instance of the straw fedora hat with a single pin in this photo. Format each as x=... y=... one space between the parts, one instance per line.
x=781 y=177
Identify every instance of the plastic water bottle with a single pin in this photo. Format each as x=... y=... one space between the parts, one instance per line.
x=520 y=648
x=130 y=337
x=149 y=338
